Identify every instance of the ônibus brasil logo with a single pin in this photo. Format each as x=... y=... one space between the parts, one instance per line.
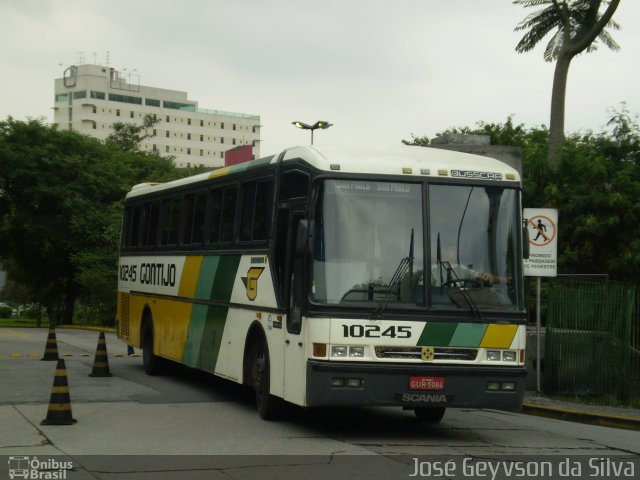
x=33 y=468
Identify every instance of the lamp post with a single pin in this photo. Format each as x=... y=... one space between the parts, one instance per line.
x=319 y=124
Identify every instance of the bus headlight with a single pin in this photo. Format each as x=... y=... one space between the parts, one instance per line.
x=356 y=352
x=493 y=355
x=338 y=351
x=509 y=356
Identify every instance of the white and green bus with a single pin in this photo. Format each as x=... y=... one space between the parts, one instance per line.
x=328 y=276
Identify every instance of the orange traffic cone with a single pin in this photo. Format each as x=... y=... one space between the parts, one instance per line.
x=59 y=412
x=101 y=362
x=51 y=350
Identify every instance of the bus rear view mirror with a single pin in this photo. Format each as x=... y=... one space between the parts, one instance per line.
x=525 y=240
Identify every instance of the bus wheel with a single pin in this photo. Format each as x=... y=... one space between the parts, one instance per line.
x=266 y=404
x=429 y=414
x=153 y=365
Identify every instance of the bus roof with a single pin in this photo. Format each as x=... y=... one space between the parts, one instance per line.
x=405 y=160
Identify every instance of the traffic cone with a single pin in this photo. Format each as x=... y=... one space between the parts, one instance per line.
x=51 y=350
x=59 y=412
x=101 y=362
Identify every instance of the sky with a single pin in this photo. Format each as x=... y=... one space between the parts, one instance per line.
x=379 y=70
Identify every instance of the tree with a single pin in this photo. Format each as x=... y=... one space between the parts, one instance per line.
x=61 y=199
x=129 y=136
x=578 y=26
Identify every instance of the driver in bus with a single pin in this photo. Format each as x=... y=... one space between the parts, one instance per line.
x=450 y=273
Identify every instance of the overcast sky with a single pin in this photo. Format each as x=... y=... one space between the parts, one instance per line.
x=379 y=70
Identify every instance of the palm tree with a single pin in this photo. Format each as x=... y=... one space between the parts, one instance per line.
x=577 y=25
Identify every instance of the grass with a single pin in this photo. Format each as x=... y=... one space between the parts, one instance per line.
x=22 y=322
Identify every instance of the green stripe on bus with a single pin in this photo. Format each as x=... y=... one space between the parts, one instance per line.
x=206 y=326
x=437 y=334
x=212 y=337
x=468 y=335
x=224 y=278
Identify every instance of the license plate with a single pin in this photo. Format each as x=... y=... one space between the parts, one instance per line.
x=426 y=383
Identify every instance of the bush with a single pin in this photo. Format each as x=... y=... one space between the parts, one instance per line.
x=5 y=312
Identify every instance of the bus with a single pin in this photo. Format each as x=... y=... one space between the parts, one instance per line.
x=334 y=276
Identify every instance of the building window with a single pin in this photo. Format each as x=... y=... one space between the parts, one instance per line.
x=154 y=132
x=93 y=125
x=202 y=123
x=130 y=114
x=179 y=106
x=167 y=120
x=97 y=95
x=166 y=149
x=253 y=129
x=201 y=152
x=63 y=97
x=94 y=109
x=221 y=154
x=202 y=138
x=167 y=134
x=234 y=126
x=188 y=121
x=117 y=112
x=151 y=102
x=125 y=99
x=221 y=139
x=233 y=141
x=155 y=149
x=188 y=136
x=222 y=125
x=188 y=151
x=81 y=94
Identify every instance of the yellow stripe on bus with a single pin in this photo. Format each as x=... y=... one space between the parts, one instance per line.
x=190 y=274
x=498 y=336
x=220 y=172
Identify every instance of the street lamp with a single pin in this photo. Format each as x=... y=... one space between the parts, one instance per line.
x=319 y=124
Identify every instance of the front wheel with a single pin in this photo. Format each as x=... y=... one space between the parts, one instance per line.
x=429 y=414
x=267 y=405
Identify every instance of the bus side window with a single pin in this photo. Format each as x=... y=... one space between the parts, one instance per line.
x=193 y=228
x=133 y=226
x=149 y=225
x=257 y=205
x=170 y=220
x=223 y=213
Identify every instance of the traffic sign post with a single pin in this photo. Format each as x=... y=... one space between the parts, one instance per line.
x=542 y=224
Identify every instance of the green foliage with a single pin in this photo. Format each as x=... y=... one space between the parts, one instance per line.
x=596 y=190
x=60 y=211
x=5 y=312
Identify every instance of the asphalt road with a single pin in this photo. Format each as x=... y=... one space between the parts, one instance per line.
x=127 y=424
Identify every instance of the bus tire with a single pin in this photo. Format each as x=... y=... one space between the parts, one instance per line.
x=267 y=405
x=153 y=365
x=429 y=414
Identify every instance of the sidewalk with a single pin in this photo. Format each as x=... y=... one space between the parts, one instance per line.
x=619 y=417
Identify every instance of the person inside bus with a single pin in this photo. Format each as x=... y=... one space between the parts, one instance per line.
x=449 y=273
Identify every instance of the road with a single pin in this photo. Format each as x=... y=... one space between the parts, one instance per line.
x=189 y=413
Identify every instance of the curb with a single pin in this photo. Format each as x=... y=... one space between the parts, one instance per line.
x=87 y=327
x=562 y=413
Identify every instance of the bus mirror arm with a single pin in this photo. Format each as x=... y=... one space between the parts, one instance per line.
x=302 y=234
x=525 y=240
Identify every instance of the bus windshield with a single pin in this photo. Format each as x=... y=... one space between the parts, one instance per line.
x=369 y=246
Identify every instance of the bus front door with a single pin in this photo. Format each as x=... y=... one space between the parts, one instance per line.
x=294 y=357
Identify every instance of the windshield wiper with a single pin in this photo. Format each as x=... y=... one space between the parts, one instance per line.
x=405 y=265
x=453 y=279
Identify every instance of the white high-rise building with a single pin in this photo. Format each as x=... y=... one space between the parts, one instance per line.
x=90 y=98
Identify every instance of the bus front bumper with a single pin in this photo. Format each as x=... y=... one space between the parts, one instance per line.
x=369 y=384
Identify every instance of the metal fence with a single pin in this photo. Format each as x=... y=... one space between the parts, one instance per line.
x=592 y=341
